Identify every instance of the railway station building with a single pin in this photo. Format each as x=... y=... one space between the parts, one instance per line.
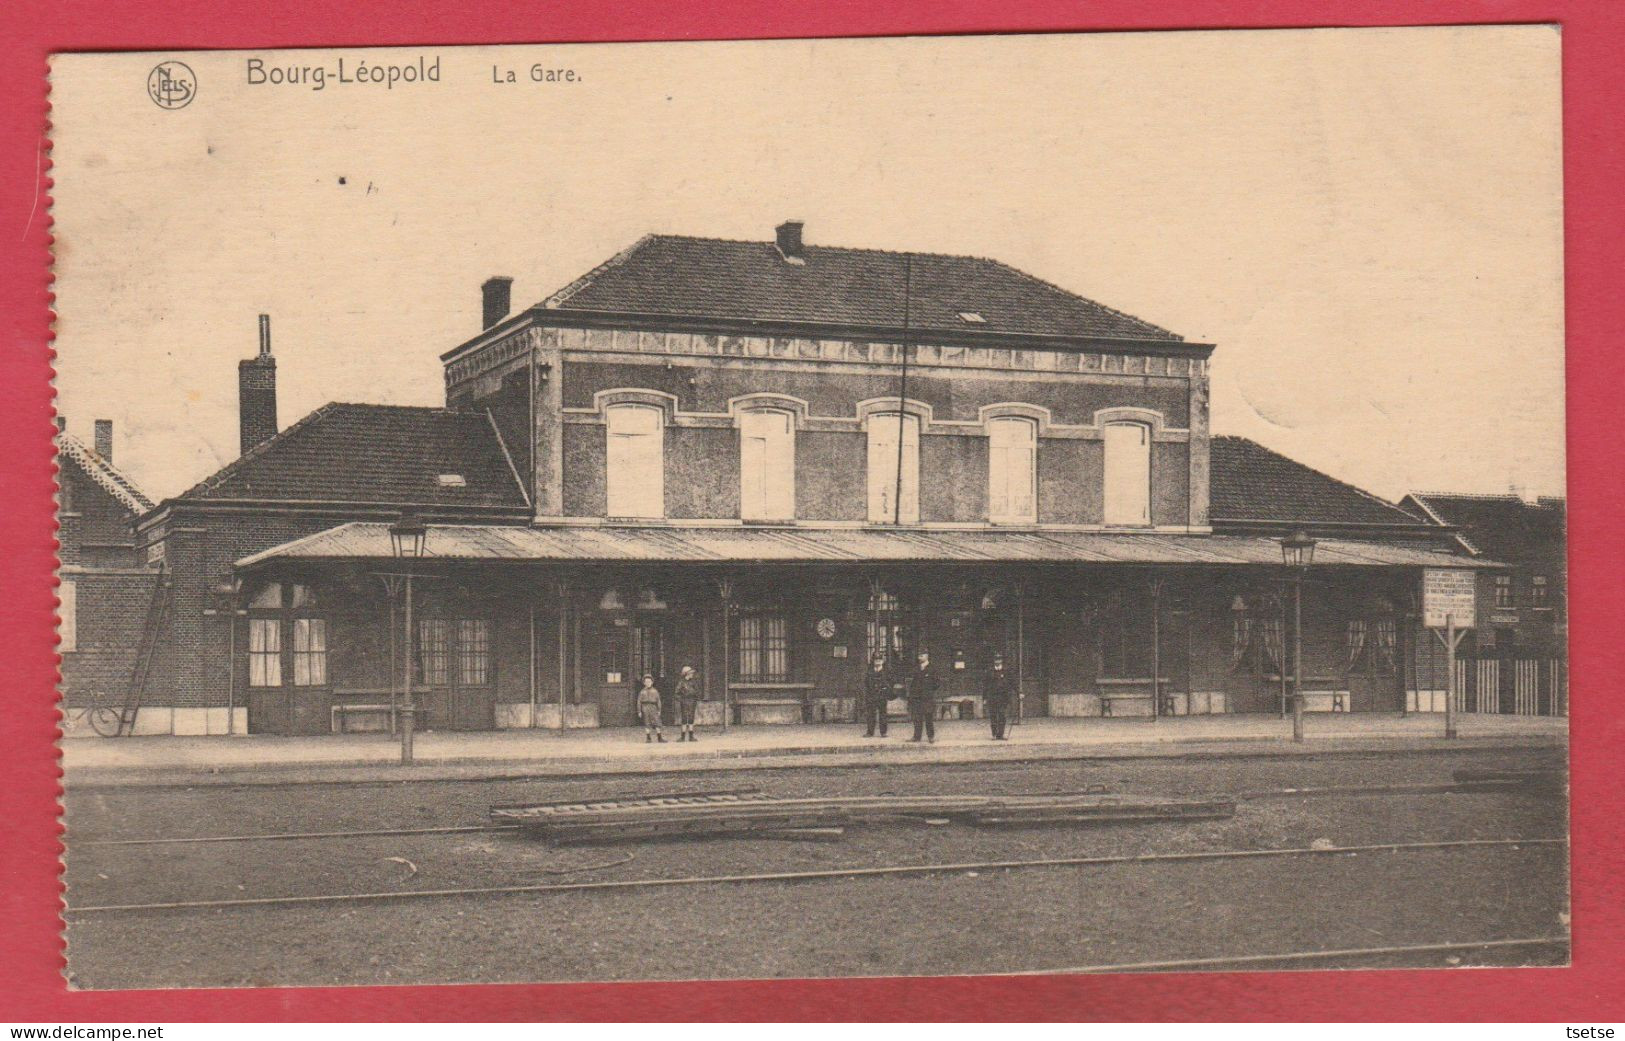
x=773 y=460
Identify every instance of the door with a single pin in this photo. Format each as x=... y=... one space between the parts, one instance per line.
x=472 y=695
x=288 y=690
x=617 y=705
x=628 y=648
x=648 y=658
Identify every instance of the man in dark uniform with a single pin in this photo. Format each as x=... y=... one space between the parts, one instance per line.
x=876 y=692
x=996 y=697
x=923 y=685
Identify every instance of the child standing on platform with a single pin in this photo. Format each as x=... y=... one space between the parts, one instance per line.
x=649 y=711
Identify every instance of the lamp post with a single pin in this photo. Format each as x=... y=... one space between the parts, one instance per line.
x=407 y=537
x=1297 y=552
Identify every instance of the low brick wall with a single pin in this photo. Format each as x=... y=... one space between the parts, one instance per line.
x=1196 y=703
x=155 y=720
x=518 y=716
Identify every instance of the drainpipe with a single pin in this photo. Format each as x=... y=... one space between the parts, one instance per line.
x=231 y=666
x=564 y=636
x=1156 y=649
x=1021 y=650
x=533 y=665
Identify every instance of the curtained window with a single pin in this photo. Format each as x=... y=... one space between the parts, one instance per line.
x=265 y=652
x=309 y=652
x=474 y=652
x=434 y=651
x=764 y=648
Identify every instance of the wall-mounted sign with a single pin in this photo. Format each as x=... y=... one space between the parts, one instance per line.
x=1448 y=595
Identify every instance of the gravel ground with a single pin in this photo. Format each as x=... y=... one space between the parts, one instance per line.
x=996 y=921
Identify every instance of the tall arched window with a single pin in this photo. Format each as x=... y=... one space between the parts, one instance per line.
x=1128 y=474
x=767 y=465
x=894 y=460
x=635 y=465
x=1012 y=454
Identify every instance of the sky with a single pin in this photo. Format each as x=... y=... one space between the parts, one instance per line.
x=1367 y=223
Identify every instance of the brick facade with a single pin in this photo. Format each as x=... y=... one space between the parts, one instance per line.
x=830 y=383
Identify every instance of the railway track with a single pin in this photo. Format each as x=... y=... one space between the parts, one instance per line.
x=1555 y=944
x=787 y=877
x=1326 y=791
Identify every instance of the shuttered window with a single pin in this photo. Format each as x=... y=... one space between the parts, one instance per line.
x=767 y=466
x=68 y=611
x=1128 y=474
x=1011 y=471
x=894 y=448
x=635 y=463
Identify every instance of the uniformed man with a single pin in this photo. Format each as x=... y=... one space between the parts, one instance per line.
x=876 y=692
x=996 y=697
x=923 y=684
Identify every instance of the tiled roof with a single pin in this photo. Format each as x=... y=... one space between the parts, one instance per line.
x=103 y=473
x=674 y=275
x=374 y=454
x=859 y=546
x=1251 y=483
x=1500 y=526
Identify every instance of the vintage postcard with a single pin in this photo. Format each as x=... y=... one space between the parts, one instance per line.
x=812 y=508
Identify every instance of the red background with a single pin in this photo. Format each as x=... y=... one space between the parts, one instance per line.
x=31 y=955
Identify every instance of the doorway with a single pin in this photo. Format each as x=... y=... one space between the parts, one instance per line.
x=629 y=648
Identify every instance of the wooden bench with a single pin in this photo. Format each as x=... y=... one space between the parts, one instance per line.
x=1133 y=690
x=769 y=703
x=343 y=712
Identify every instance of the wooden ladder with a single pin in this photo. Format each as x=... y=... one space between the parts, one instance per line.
x=146 y=650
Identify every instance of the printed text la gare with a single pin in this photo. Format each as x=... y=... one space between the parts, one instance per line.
x=538 y=73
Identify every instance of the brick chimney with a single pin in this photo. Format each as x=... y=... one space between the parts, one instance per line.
x=256 y=393
x=496 y=297
x=104 y=439
x=789 y=242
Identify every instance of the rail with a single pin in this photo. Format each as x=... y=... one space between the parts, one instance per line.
x=328 y=899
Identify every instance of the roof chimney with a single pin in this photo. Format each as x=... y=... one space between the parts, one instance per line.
x=789 y=236
x=496 y=297
x=104 y=439
x=61 y=423
x=256 y=393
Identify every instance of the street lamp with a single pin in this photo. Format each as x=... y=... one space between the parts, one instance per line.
x=408 y=538
x=1297 y=552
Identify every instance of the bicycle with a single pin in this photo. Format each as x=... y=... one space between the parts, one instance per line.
x=104 y=720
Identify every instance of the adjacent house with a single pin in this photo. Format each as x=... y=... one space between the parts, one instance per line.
x=1517 y=652
x=105 y=590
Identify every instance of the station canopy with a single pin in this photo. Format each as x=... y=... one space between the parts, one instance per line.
x=629 y=544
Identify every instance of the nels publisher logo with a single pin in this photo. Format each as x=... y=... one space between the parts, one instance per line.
x=171 y=84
